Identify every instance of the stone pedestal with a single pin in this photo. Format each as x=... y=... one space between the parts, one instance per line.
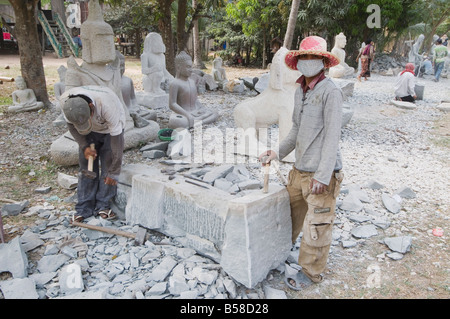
x=152 y=101
x=248 y=236
x=403 y=105
x=64 y=150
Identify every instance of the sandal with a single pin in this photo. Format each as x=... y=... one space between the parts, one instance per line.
x=107 y=214
x=298 y=281
x=76 y=218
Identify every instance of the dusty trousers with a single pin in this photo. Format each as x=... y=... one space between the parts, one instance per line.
x=314 y=215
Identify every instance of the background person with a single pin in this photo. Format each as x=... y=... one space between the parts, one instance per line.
x=440 y=53
x=406 y=82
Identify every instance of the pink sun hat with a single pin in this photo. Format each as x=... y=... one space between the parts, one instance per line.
x=311 y=45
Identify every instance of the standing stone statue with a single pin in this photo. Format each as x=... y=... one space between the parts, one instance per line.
x=342 y=69
x=24 y=98
x=414 y=55
x=153 y=63
x=361 y=50
x=218 y=73
x=183 y=98
x=155 y=75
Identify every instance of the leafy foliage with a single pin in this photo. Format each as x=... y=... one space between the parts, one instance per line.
x=132 y=18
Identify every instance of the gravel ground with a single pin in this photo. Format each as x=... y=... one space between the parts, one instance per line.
x=395 y=147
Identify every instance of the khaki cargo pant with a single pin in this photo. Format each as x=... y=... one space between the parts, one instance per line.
x=314 y=214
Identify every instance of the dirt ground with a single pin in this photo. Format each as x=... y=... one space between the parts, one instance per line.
x=424 y=273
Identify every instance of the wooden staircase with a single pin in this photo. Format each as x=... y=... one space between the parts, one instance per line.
x=59 y=36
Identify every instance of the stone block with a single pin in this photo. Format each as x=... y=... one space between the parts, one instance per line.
x=248 y=236
x=217 y=172
x=404 y=105
x=390 y=204
x=20 y=288
x=13 y=259
x=153 y=154
x=67 y=181
x=444 y=107
x=51 y=263
x=153 y=101
x=399 y=244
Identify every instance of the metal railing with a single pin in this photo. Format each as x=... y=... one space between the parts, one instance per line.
x=51 y=36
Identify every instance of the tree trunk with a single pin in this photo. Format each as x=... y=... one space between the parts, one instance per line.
x=198 y=63
x=138 y=43
x=264 y=55
x=30 y=48
x=181 y=23
x=291 y=24
x=58 y=7
x=165 y=27
x=428 y=42
x=249 y=52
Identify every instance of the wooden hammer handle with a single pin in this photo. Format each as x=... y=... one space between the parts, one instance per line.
x=91 y=159
x=105 y=230
x=266 y=178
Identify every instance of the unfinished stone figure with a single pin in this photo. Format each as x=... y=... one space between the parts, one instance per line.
x=138 y=113
x=153 y=63
x=273 y=106
x=59 y=89
x=342 y=69
x=218 y=73
x=127 y=87
x=24 y=98
x=414 y=55
x=183 y=98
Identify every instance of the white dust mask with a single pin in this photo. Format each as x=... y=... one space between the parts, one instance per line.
x=310 y=68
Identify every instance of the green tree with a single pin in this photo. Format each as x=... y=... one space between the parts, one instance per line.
x=133 y=18
x=435 y=13
x=291 y=24
x=260 y=21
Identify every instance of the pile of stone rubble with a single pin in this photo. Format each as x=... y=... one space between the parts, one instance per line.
x=82 y=263
x=385 y=63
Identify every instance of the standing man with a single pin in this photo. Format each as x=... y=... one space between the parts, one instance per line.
x=95 y=115
x=440 y=53
x=314 y=181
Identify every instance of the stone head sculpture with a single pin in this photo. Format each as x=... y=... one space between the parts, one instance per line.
x=183 y=64
x=340 y=40
x=153 y=43
x=218 y=62
x=20 y=83
x=420 y=39
x=97 y=37
x=62 y=70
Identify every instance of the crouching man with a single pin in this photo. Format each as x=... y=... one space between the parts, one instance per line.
x=95 y=115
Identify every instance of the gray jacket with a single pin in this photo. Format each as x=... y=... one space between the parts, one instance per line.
x=316 y=131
